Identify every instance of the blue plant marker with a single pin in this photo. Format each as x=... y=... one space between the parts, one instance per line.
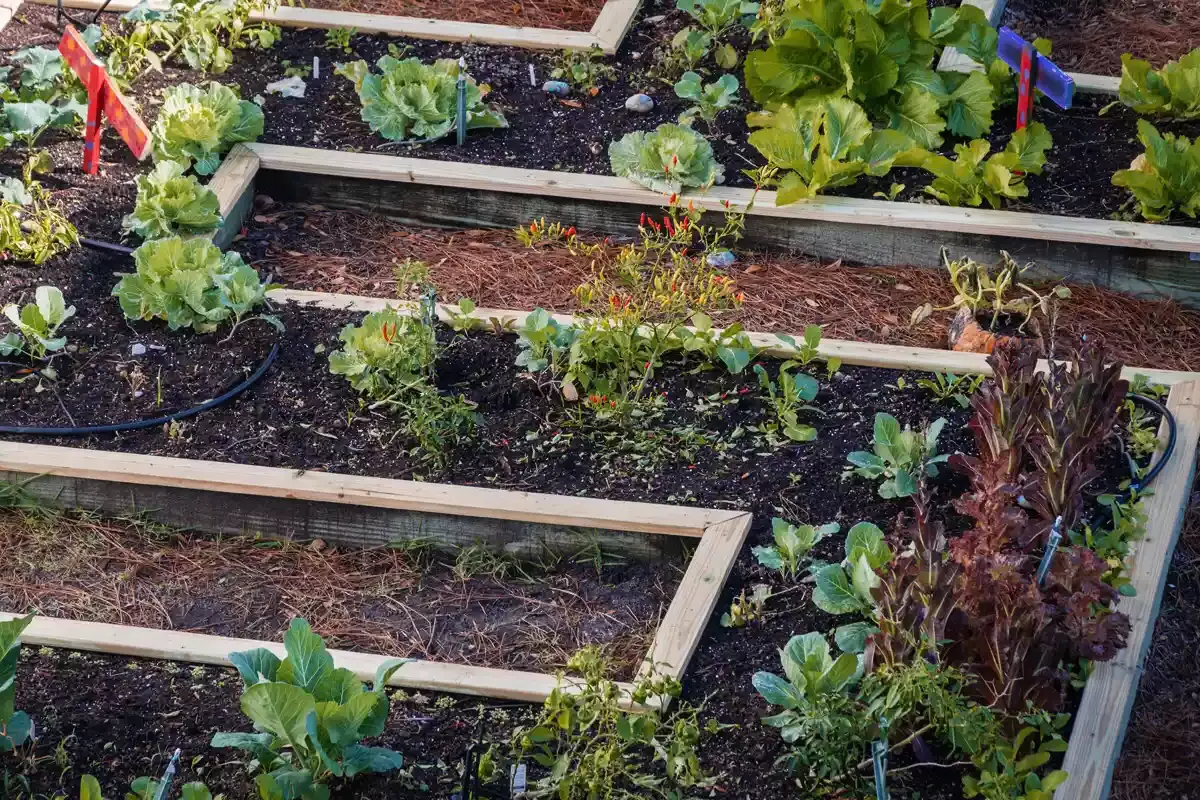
x=1047 y=77
x=164 y=785
x=879 y=760
x=1051 y=547
x=462 y=101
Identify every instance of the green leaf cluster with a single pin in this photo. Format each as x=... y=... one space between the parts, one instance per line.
x=15 y=726
x=973 y=178
x=1009 y=769
x=412 y=100
x=32 y=228
x=718 y=16
x=1166 y=177
x=387 y=353
x=1173 y=91
x=545 y=343
x=792 y=545
x=730 y=345
x=309 y=717
x=146 y=788
x=709 y=99
x=37 y=324
x=189 y=283
x=39 y=92
x=809 y=672
x=196 y=126
x=825 y=145
x=787 y=397
x=878 y=53
x=170 y=203
x=899 y=456
x=667 y=160
x=846 y=587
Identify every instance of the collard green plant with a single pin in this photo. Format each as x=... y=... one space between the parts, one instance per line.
x=170 y=203
x=1165 y=179
x=310 y=717
x=684 y=53
x=37 y=325
x=847 y=587
x=709 y=99
x=809 y=672
x=899 y=456
x=1173 y=91
x=718 y=16
x=38 y=93
x=825 y=145
x=667 y=160
x=411 y=100
x=792 y=545
x=974 y=178
x=545 y=343
x=190 y=283
x=15 y=726
x=792 y=393
x=880 y=55
x=196 y=126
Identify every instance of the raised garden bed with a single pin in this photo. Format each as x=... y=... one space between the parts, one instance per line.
x=611 y=23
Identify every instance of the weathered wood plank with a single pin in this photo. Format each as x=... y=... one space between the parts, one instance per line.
x=233 y=184
x=7 y=9
x=614 y=22
x=1099 y=725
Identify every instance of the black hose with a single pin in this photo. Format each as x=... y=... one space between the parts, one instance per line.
x=1172 y=435
x=139 y=425
x=108 y=247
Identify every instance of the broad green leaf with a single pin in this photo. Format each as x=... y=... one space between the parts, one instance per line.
x=866 y=539
x=916 y=114
x=833 y=592
x=863 y=578
x=89 y=788
x=308 y=662
x=776 y=691
x=846 y=127
x=769 y=557
x=195 y=791
x=970 y=106
x=360 y=759
x=257 y=744
x=255 y=665
x=10 y=650
x=280 y=709
x=841 y=672
x=852 y=637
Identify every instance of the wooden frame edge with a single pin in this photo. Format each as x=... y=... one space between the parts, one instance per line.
x=954 y=61
x=607 y=33
x=8 y=10
x=1100 y=722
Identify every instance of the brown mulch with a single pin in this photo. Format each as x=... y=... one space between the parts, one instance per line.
x=575 y=15
x=356 y=253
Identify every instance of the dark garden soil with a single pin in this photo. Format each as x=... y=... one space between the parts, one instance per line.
x=573 y=134
x=1090 y=35
x=117 y=718
x=568 y=14
x=399 y=601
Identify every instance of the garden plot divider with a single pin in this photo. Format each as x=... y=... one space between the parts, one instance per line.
x=363 y=511
x=1137 y=258
x=954 y=61
x=614 y=21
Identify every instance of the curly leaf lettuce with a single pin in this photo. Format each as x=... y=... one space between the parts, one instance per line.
x=170 y=203
x=411 y=100
x=1173 y=91
x=1166 y=178
x=973 y=178
x=667 y=160
x=197 y=126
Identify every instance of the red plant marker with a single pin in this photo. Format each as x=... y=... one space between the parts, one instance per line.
x=104 y=100
x=1025 y=85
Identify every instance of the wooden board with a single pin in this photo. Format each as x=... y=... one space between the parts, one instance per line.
x=864 y=354
x=1137 y=258
x=7 y=9
x=953 y=60
x=1099 y=725
x=233 y=184
x=613 y=23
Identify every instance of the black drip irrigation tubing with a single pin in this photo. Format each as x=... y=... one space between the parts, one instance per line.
x=1141 y=483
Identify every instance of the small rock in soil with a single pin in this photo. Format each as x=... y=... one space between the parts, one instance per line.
x=721 y=258
x=557 y=88
x=138 y=349
x=640 y=103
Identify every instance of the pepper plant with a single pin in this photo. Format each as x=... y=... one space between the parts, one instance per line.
x=310 y=717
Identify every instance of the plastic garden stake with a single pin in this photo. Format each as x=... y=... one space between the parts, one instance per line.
x=879 y=760
x=104 y=100
x=1051 y=547
x=462 y=101
x=1035 y=73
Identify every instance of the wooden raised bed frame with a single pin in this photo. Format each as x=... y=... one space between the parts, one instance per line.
x=615 y=20
x=994 y=9
x=1133 y=257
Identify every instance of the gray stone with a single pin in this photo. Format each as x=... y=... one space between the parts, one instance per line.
x=640 y=103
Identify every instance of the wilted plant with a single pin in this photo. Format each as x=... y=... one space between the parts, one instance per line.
x=744 y=610
x=792 y=545
x=900 y=457
x=997 y=290
x=32 y=227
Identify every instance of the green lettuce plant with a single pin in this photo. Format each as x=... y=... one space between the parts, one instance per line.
x=411 y=100
x=880 y=55
x=973 y=178
x=792 y=545
x=821 y=146
x=37 y=325
x=196 y=126
x=309 y=717
x=709 y=99
x=1166 y=177
x=170 y=203
x=1173 y=91
x=190 y=283
x=667 y=160
x=899 y=456
x=846 y=587
x=15 y=726
x=718 y=16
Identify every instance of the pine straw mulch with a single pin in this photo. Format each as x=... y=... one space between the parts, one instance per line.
x=1161 y=745
x=1090 y=35
x=398 y=602
x=575 y=15
x=356 y=253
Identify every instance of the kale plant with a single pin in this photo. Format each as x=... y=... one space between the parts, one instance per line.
x=170 y=203
x=309 y=717
x=900 y=457
x=409 y=100
x=667 y=160
x=196 y=126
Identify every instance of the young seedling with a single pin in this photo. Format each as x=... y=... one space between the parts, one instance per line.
x=792 y=545
x=709 y=99
x=37 y=325
x=846 y=587
x=899 y=456
x=946 y=386
x=787 y=399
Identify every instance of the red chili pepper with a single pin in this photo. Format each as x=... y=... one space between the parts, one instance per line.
x=670 y=227
x=571 y=231
x=674 y=198
x=675 y=161
x=642 y=223
x=647 y=365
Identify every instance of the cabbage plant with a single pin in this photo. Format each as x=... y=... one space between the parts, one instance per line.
x=37 y=324
x=309 y=717
x=170 y=203
x=667 y=160
x=411 y=100
x=196 y=126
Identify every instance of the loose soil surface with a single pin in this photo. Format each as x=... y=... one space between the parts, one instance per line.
x=1090 y=35
x=573 y=134
x=401 y=601
x=575 y=15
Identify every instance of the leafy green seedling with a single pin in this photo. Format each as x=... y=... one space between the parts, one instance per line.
x=792 y=545
x=787 y=398
x=899 y=456
x=810 y=671
x=846 y=587
x=946 y=386
x=37 y=324
x=709 y=99
x=717 y=16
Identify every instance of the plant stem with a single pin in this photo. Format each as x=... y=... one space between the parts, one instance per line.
x=867 y=762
